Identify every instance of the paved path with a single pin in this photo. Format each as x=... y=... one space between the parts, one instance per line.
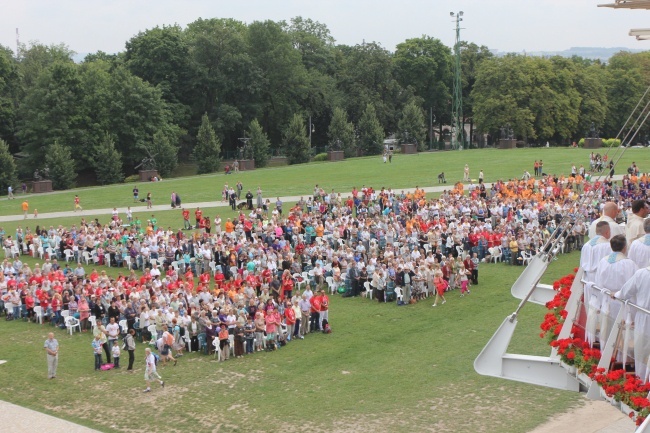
x=166 y=207
x=206 y=204
x=17 y=419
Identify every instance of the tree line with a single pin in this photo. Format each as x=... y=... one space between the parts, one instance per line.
x=192 y=94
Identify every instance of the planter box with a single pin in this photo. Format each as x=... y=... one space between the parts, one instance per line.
x=146 y=175
x=507 y=143
x=627 y=410
x=593 y=143
x=246 y=164
x=42 y=186
x=335 y=155
x=409 y=149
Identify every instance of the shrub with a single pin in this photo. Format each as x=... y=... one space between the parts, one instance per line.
x=611 y=142
x=320 y=157
x=132 y=178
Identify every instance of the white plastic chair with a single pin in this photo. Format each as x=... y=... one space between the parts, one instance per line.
x=69 y=255
x=526 y=257
x=38 y=311
x=368 y=292
x=93 y=322
x=217 y=348
x=41 y=252
x=496 y=255
x=330 y=284
x=65 y=314
x=299 y=280
x=127 y=261
x=153 y=332
x=86 y=256
x=124 y=328
x=398 y=294
x=71 y=323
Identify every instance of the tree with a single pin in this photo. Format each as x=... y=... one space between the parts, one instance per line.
x=341 y=133
x=281 y=72
x=229 y=86
x=58 y=159
x=36 y=58
x=108 y=161
x=296 y=142
x=52 y=111
x=425 y=65
x=165 y=150
x=365 y=74
x=371 y=134
x=136 y=112
x=207 y=152
x=10 y=90
x=161 y=57
x=7 y=166
x=258 y=144
x=412 y=127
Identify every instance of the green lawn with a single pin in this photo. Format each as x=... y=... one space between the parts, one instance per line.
x=405 y=171
x=384 y=368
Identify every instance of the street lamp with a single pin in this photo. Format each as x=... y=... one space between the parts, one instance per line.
x=457 y=102
x=311 y=129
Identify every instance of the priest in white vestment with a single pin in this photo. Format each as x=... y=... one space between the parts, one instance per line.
x=637 y=290
x=613 y=272
x=639 y=250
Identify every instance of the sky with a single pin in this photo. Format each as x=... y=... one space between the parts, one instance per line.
x=87 y=26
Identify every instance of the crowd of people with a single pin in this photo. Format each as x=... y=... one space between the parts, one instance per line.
x=262 y=279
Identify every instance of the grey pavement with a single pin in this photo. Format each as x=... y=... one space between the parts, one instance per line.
x=17 y=419
x=206 y=204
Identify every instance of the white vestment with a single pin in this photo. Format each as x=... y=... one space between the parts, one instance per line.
x=591 y=254
x=637 y=290
x=639 y=251
x=613 y=272
x=615 y=229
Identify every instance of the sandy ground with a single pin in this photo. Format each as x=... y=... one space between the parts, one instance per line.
x=590 y=417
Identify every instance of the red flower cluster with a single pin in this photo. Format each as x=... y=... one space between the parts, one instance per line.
x=617 y=384
x=627 y=388
x=555 y=318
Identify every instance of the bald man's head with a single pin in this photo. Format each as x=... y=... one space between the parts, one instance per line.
x=610 y=209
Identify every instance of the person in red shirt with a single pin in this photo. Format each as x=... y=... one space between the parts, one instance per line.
x=198 y=214
x=186 y=219
x=287 y=285
x=314 y=317
x=324 y=308
x=290 y=319
x=29 y=305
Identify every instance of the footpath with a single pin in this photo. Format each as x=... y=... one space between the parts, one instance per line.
x=17 y=419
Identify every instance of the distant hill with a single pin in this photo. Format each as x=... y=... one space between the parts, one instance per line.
x=595 y=53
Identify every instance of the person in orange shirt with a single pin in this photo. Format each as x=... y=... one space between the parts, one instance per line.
x=229 y=226
x=25 y=207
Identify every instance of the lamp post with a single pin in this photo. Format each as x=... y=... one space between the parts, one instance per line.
x=457 y=104
x=311 y=129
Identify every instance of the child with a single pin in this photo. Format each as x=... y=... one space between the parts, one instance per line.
x=116 y=354
x=97 y=350
x=35 y=213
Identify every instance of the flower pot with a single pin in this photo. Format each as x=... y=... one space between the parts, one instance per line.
x=571 y=369
x=627 y=410
x=584 y=378
x=610 y=400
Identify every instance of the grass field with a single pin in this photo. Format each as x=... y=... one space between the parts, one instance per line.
x=384 y=368
x=405 y=171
